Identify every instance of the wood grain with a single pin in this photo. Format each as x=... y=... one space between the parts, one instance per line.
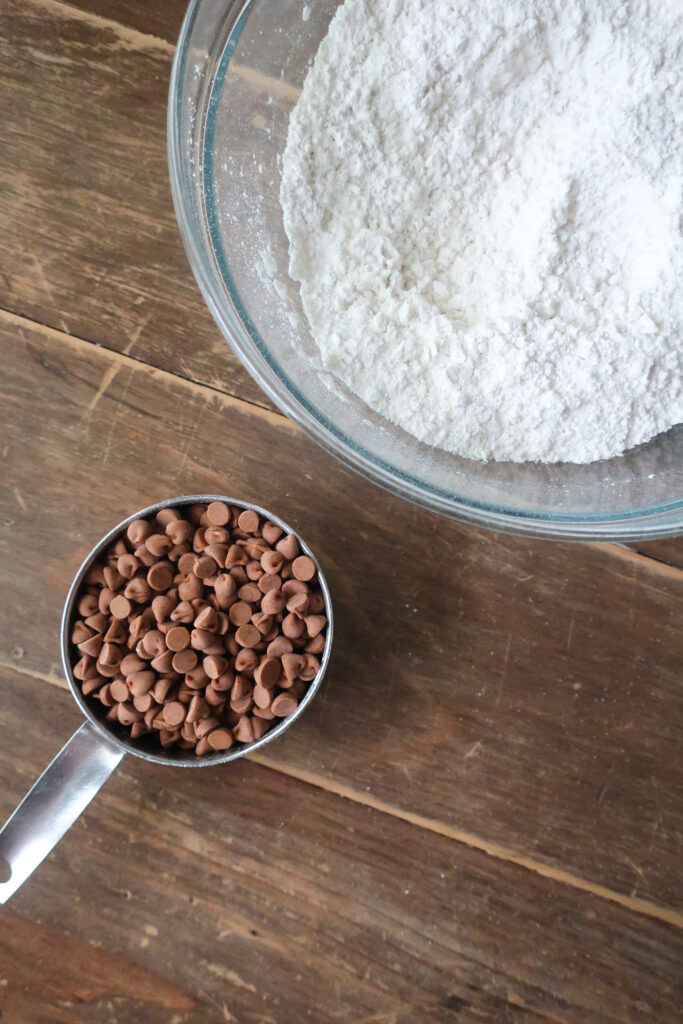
x=160 y=19
x=90 y=243
x=237 y=894
x=515 y=692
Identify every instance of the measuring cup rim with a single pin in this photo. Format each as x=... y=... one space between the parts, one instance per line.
x=173 y=758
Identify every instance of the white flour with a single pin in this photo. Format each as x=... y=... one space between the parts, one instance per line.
x=483 y=200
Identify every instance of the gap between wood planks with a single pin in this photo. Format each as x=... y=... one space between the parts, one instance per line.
x=496 y=850
x=134 y=39
x=122 y=360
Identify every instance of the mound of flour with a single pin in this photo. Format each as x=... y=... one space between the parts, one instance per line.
x=483 y=202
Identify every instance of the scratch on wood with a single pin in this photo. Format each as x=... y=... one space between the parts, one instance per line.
x=129 y=38
x=474 y=750
x=47 y=287
x=108 y=377
x=571 y=631
x=20 y=501
x=504 y=670
x=135 y=336
x=227 y=975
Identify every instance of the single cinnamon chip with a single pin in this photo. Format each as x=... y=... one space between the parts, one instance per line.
x=196 y=678
x=315 y=624
x=262 y=697
x=279 y=646
x=80 y=633
x=220 y=739
x=112 y=577
x=154 y=642
x=92 y=645
x=248 y=521
x=138 y=531
x=271 y=533
x=163 y=663
x=244 y=730
x=128 y=713
x=160 y=576
x=98 y=622
x=236 y=556
x=288 y=546
x=246 y=660
x=174 y=713
x=218 y=513
x=184 y=661
x=119 y=691
x=204 y=567
x=158 y=544
x=214 y=666
x=246 y=636
x=240 y=613
x=268 y=672
x=197 y=709
x=183 y=612
x=88 y=605
x=201 y=639
x=180 y=531
x=310 y=669
x=143 y=702
x=166 y=516
x=190 y=588
x=177 y=638
x=303 y=568
x=117 y=633
x=273 y=602
x=269 y=581
x=186 y=562
x=316 y=645
x=260 y=726
x=120 y=607
x=298 y=605
x=216 y=535
x=293 y=627
x=250 y=593
x=138 y=590
x=292 y=664
x=284 y=705
x=130 y=664
x=141 y=682
x=207 y=619
x=206 y=725
x=272 y=561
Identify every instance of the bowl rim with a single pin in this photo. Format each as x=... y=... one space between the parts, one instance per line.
x=646 y=522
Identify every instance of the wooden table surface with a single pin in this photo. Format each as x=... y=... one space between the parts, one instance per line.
x=480 y=818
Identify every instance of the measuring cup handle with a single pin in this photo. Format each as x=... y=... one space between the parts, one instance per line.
x=60 y=795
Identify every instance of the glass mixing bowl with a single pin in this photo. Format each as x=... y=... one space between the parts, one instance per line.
x=238 y=71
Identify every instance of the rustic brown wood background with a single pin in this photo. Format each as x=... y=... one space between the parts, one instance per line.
x=480 y=818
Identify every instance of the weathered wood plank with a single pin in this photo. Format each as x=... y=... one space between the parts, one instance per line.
x=522 y=693
x=669 y=552
x=90 y=243
x=259 y=898
x=160 y=18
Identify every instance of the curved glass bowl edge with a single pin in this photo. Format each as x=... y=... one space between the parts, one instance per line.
x=245 y=341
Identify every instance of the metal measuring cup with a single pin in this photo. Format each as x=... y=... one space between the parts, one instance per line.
x=84 y=764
